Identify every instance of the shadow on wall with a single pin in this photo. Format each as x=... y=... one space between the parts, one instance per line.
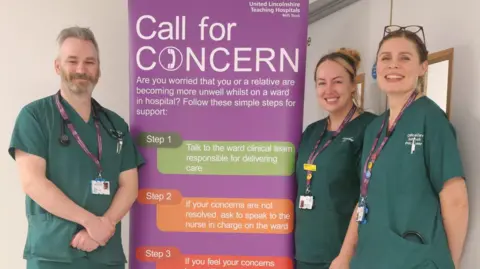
x=465 y=115
x=464 y=105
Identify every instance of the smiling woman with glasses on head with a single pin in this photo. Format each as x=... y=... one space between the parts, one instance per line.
x=413 y=206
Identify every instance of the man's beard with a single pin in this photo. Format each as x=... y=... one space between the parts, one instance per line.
x=79 y=86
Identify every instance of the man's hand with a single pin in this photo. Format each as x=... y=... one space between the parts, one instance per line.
x=84 y=242
x=100 y=229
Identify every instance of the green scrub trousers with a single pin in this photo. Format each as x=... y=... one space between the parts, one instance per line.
x=37 y=130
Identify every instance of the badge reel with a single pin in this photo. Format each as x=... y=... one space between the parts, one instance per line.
x=100 y=186
x=362 y=211
x=306 y=201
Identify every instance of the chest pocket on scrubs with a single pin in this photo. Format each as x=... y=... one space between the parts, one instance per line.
x=112 y=161
x=408 y=170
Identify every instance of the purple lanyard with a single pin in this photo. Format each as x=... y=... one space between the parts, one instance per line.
x=372 y=157
x=78 y=139
x=314 y=154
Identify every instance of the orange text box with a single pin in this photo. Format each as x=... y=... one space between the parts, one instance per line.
x=227 y=215
x=157 y=254
x=159 y=196
x=230 y=262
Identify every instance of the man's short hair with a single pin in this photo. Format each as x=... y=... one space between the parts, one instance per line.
x=82 y=33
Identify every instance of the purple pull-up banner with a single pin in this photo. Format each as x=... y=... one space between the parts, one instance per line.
x=216 y=109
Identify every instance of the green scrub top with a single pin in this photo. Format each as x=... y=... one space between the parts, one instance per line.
x=319 y=232
x=403 y=194
x=37 y=130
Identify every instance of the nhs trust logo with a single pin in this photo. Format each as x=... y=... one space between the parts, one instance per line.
x=413 y=141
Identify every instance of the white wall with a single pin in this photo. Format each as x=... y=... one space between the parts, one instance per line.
x=447 y=24
x=28 y=30
x=358 y=27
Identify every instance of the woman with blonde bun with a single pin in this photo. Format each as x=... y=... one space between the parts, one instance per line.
x=327 y=167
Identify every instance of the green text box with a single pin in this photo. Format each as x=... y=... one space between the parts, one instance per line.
x=228 y=158
x=159 y=140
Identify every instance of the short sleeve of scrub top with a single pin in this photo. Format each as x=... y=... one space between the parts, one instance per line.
x=441 y=151
x=28 y=134
x=131 y=158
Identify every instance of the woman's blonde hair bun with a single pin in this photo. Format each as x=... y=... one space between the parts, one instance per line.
x=353 y=54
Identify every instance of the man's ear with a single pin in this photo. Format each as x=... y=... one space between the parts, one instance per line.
x=56 y=64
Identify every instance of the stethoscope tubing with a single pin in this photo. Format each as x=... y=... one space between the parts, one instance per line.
x=115 y=134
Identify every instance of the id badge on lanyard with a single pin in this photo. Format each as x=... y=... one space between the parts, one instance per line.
x=99 y=186
x=307 y=201
x=362 y=209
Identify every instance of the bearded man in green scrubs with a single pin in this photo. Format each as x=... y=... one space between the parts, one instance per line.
x=77 y=165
